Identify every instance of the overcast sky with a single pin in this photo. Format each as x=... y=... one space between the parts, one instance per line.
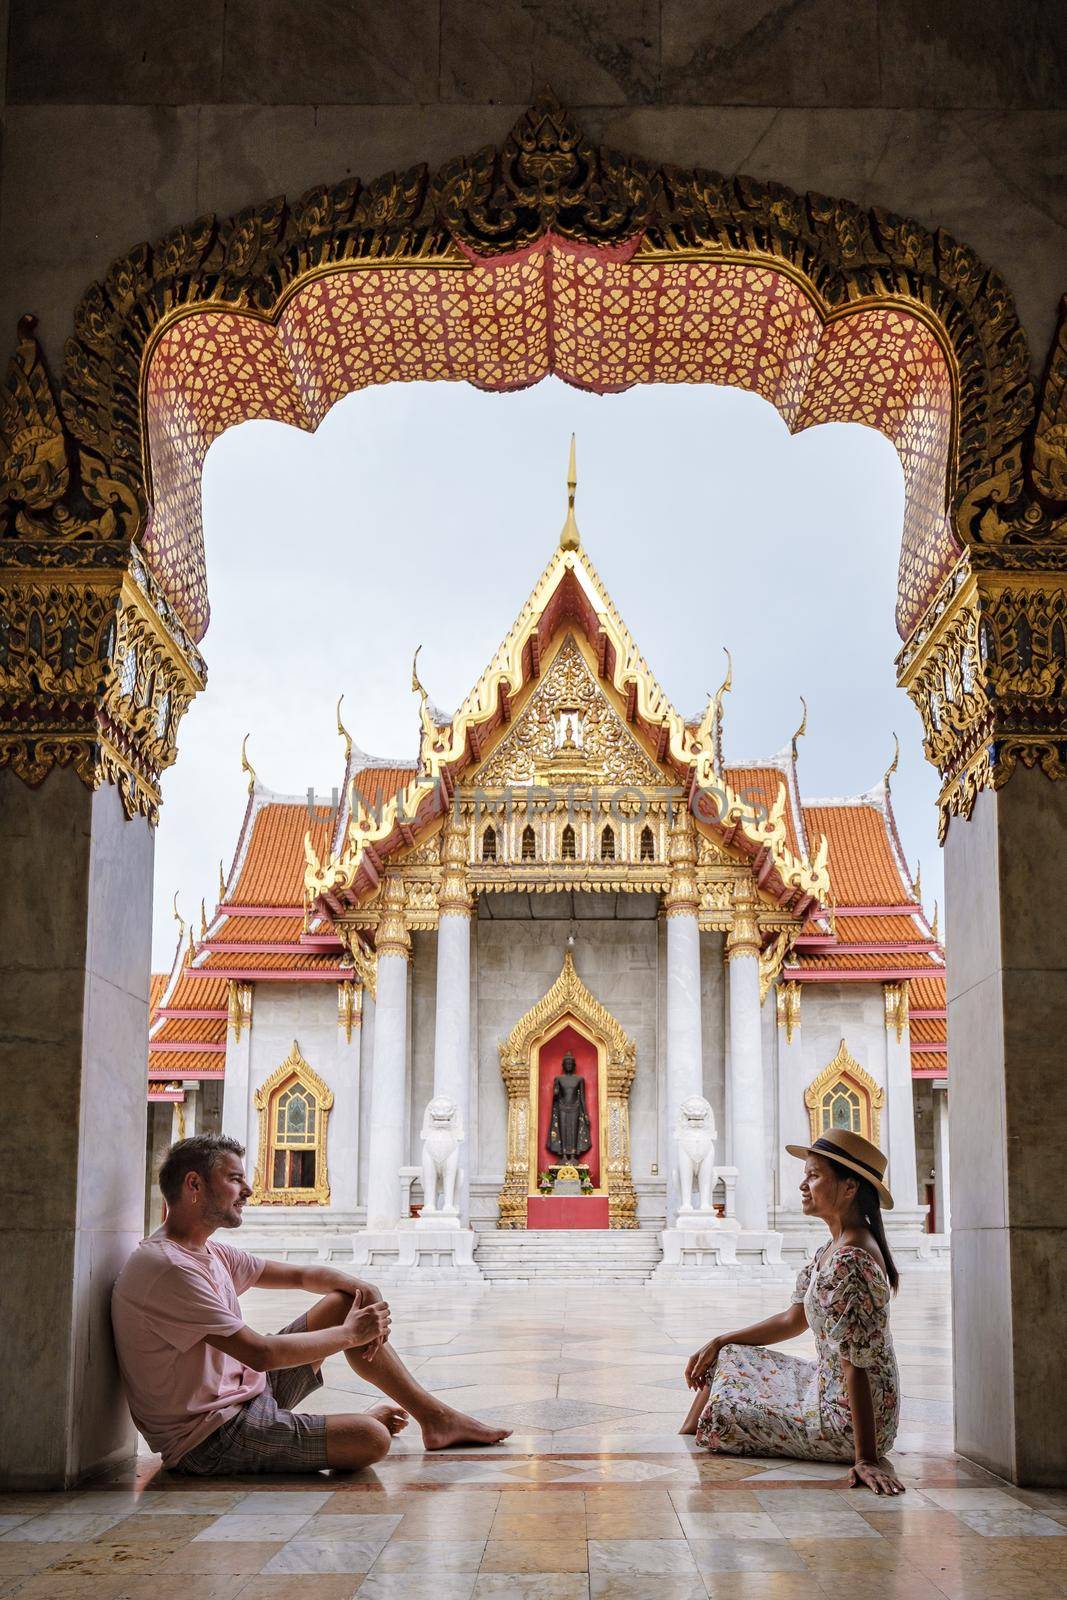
x=424 y=513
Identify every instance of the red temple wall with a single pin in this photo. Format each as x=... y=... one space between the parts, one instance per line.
x=549 y=1065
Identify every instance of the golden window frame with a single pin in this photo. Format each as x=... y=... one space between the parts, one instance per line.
x=844 y=1068
x=293 y=1069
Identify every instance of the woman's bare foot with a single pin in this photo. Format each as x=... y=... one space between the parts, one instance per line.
x=448 y=1428
x=392 y=1417
x=689 y=1426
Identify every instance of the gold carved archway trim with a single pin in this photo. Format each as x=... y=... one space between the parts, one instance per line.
x=567 y=240
x=845 y=1068
x=568 y=1001
x=294 y=1069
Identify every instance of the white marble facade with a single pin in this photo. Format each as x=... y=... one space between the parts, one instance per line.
x=517 y=946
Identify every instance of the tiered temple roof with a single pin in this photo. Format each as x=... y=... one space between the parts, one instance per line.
x=834 y=865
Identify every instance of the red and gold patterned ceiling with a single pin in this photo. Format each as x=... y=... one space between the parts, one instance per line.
x=595 y=318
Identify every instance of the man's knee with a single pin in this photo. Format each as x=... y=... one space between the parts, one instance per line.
x=379 y=1440
x=371 y=1294
x=354 y=1442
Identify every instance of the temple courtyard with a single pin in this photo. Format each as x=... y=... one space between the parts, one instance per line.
x=594 y=1497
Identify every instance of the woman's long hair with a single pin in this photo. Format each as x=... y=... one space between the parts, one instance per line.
x=871 y=1206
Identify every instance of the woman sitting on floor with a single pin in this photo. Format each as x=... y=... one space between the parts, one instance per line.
x=845 y=1405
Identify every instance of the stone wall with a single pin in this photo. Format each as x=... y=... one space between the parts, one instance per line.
x=124 y=122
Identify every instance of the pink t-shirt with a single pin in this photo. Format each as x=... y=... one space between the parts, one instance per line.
x=166 y=1301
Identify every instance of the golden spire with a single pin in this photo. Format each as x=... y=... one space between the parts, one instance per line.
x=933 y=923
x=246 y=765
x=570 y=538
x=917 y=886
x=892 y=767
x=801 y=729
x=343 y=731
x=190 y=951
x=179 y=919
x=222 y=884
x=203 y=920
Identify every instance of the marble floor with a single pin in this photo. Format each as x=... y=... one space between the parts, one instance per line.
x=594 y=1497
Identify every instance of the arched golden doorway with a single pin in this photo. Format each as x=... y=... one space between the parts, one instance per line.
x=568 y=1003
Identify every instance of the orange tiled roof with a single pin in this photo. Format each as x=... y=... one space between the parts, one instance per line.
x=190 y=1030
x=378 y=784
x=156 y=985
x=257 y=930
x=928 y=994
x=931 y=1063
x=880 y=930
x=762 y=786
x=268 y=960
x=162 y=1064
x=863 y=868
x=927 y=1030
x=832 y=960
x=272 y=871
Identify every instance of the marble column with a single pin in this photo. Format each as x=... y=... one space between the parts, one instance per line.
x=452 y=1017
x=746 y=1097
x=75 y=940
x=239 y=1119
x=342 y=1157
x=685 y=1062
x=1006 y=951
x=899 y=1114
x=387 y=1152
x=794 y=1124
x=942 y=1163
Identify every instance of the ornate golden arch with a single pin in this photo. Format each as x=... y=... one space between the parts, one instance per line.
x=568 y=1000
x=103 y=570
x=293 y=1069
x=845 y=1068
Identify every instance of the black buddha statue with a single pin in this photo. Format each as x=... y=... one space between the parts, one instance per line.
x=568 y=1131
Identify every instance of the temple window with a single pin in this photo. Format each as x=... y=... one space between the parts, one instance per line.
x=567 y=849
x=294 y=1106
x=607 y=844
x=845 y=1096
x=489 y=844
x=529 y=844
x=647 y=850
x=295 y=1151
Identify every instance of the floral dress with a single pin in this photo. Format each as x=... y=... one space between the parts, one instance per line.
x=764 y=1403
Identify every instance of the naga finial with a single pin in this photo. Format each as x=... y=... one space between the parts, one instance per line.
x=246 y=765
x=892 y=767
x=343 y=731
x=802 y=727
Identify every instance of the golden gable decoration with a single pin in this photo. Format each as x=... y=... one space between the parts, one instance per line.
x=569 y=733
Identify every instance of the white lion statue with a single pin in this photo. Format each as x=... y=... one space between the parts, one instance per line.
x=696 y=1133
x=442 y=1135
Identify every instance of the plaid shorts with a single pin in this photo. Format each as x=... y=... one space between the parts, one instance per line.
x=265 y=1435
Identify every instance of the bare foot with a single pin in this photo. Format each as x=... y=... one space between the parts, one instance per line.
x=689 y=1426
x=449 y=1428
x=389 y=1415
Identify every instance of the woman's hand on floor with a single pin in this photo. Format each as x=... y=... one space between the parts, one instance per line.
x=870 y=1475
x=699 y=1367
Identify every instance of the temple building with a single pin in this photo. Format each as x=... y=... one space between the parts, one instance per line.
x=565 y=867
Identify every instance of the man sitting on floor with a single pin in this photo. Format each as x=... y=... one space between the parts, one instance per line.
x=215 y=1397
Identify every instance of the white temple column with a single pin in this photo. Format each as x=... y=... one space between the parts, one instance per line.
x=452 y=1020
x=794 y=1126
x=900 y=1103
x=685 y=1072
x=386 y=1154
x=941 y=1160
x=747 y=1112
x=238 y=1118
x=342 y=1157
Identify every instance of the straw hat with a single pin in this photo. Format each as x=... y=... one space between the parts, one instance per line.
x=850 y=1150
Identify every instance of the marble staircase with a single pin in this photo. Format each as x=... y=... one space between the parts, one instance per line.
x=608 y=1256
